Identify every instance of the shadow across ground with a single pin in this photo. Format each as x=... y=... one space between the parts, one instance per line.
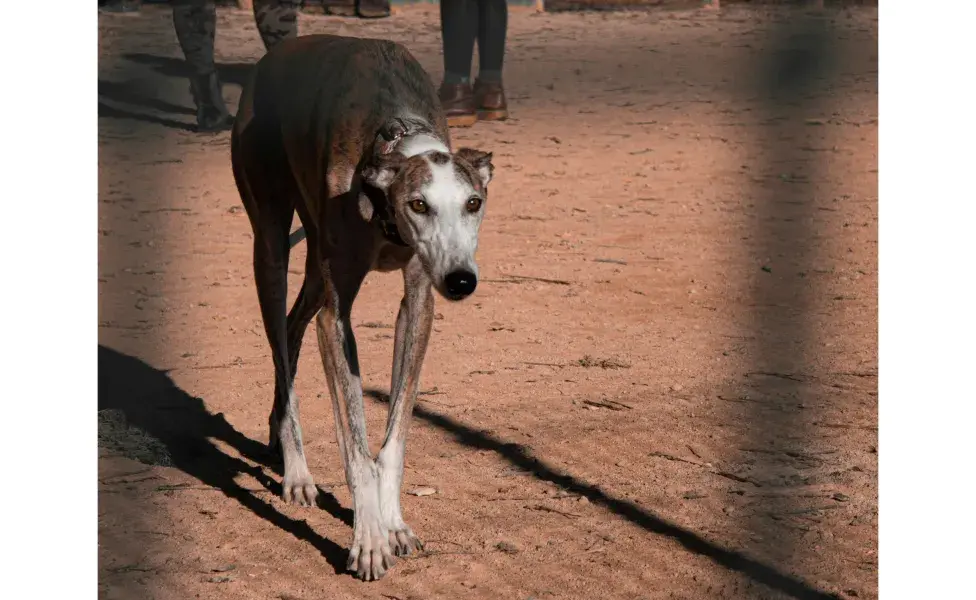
x=517 y=455
x=129 y=99
x=161 y=424
x=180 y=427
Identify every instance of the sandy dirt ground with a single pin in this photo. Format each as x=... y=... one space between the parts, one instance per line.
x=664 y=387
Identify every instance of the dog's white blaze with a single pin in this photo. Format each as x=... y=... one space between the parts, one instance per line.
x=450 y=237
x=421 y=143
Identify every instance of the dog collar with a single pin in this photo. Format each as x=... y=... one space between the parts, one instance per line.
x=386 y=142
x=391 y=233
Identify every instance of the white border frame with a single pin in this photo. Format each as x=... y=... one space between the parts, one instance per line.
x=926 y=315
x=49 y=248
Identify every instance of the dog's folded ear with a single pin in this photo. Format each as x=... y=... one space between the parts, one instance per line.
x=381 y=170
x=480 y=160
x=389 y=135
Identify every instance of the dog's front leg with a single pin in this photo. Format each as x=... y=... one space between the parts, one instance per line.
x=413 y=326
x=370 y=554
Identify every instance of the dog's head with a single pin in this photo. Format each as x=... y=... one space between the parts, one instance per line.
x=438 y=200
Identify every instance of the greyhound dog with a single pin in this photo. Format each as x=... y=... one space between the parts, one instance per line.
x=349 y=133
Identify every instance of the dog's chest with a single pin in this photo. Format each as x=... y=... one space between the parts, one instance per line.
x=391 y=257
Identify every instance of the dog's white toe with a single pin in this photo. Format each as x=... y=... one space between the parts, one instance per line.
x=370 y=555
x=299 y=489
x=404 y=542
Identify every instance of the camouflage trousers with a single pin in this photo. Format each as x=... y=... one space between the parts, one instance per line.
x=196 y=23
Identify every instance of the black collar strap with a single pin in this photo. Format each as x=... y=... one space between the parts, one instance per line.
x=386 y=142
x=391 y=232
x=381 y=215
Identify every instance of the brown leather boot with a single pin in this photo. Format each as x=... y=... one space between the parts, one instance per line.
x=373 y=9
x=489 y=100
x=339 y=8
x=212 y=115
x=458 y=102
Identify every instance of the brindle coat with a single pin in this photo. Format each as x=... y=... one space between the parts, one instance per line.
x=349 y=133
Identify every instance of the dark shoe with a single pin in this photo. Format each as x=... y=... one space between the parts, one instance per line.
x=340 y=8
x=121 y=6
x=373 y=9
x=489 y=100
x=212 y=115
x=458 y=103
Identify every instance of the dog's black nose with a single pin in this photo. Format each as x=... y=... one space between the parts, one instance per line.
x=460 y=284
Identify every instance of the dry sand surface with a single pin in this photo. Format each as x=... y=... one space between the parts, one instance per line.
x=665 y=386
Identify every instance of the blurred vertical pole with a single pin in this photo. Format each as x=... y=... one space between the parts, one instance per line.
x=791 y=87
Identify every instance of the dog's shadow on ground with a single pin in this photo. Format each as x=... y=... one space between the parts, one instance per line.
x=143 y=415
x=128 y=99
x=519 y=456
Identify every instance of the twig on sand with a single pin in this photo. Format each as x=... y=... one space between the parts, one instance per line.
x=126 y=474
x=133 y=568
x=671 y=457
x=604 y=363
x=444 y=404
x=735 y=477
x=786 y=376
x=544 y=508
x=431 y=392
x=128 y=481
x=519 y=278
x=709 y=468
x=611 y=404
x=427 y=553
x=812 y=509
x=845 y=426
x=178 y=487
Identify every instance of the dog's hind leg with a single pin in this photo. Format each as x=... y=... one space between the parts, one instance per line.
x=413 y=327
x=269 y=194
x=311 y=298
x=270 y=274
x=370 y=554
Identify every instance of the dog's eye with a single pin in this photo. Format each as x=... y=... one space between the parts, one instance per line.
x=474 y=204
x=418 y=206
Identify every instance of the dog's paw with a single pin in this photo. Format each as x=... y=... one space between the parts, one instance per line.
x=299 y=489
x=371 y=554
x=404 y=542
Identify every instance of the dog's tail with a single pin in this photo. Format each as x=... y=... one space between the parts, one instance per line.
x=296 y=237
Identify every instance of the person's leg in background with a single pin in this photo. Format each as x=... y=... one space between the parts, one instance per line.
x=459 y=28
x=489 y=95
x=195 y=22
x=277 y=20
x=365 y=9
